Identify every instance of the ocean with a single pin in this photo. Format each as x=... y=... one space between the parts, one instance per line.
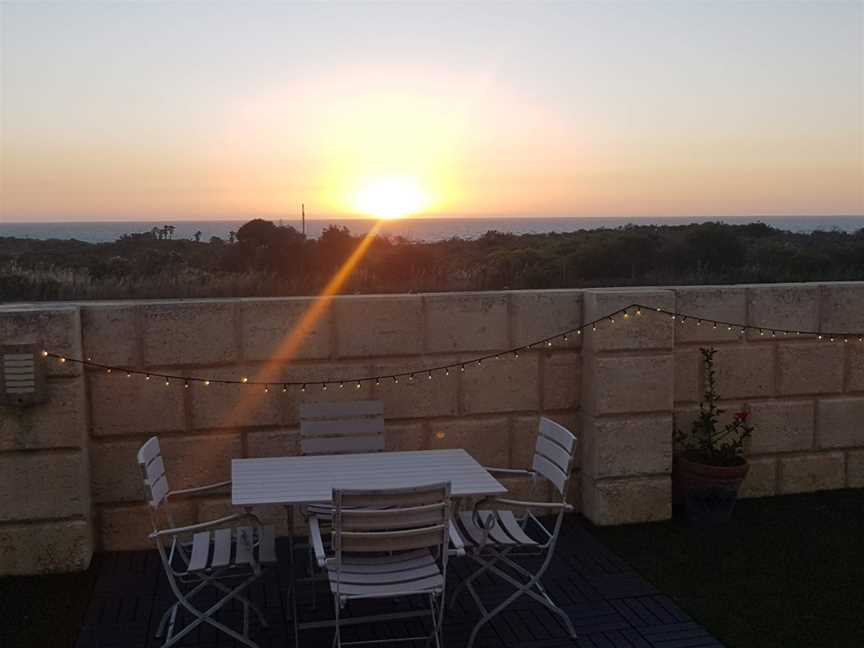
x=418 y=229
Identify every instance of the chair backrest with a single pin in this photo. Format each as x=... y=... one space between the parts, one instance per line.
x=553 y=454
x=153 y=472
x=341 y=428
x=392 y=520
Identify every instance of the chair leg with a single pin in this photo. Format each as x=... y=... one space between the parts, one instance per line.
x=474 y=576
x=524 y=589
x=206 y=616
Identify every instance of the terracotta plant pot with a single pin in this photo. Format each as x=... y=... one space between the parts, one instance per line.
x=707 y=493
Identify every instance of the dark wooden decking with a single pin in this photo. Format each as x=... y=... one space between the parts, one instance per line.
x=609 y=603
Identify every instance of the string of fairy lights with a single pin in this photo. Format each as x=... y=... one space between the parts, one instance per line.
x=561 y=339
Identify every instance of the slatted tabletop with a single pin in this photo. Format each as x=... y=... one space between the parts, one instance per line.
x=311 y=479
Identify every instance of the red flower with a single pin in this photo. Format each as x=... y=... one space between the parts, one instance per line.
x=742 y=416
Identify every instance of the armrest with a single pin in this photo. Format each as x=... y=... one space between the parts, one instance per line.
x=198 y=527
x=554 y=506
x=509 y=471
x=198 y=489
x=456 y=540
x=317 y=542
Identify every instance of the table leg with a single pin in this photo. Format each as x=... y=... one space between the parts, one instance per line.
x=292 y=577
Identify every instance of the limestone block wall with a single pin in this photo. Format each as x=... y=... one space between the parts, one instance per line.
x=69 y=483
x=490 y=410
x=806 y=395
x=46 y=521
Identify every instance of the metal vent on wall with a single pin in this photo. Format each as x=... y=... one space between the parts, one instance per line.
x=22 y=375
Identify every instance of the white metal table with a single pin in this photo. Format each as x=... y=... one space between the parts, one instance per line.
x=295 y=481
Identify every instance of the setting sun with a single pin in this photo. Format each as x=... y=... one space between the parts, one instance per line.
x=390 y=197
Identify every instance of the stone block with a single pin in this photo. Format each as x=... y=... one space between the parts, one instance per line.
x=841 y=422
x=650 y=330
x=123 y=406
x=406 y=436
x=621 y=384
x=466 y=322
x=111 y=335
x=197 y=460
x=35 y=485
x=56 y=329
x=189 y=333
x=126 y=527
x=625 y=501
x=794 y=307
x=813 y=472
x=562 y=371
x=336 y=392
x=744 y=371
x=843 y=307
x=855 y=469
x=114 y=472
x=781 y=426
x=232 y=406
x=419 y=397
x=855 y=371
x=382 y=325
x=276 y=329
x=273 y=443
x=528 y=490
x=271 y=515
x=538 y=314
x=45 y=548
x=60 y=422
x=710 y=304
x=523 y=439
x=486 y=439
x=505 y=384
x=815 y=368
x=761 y=480
x=688 y=375
x=627 y=446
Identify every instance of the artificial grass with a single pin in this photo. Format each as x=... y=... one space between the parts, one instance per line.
x=43 y=611
x=785 y=571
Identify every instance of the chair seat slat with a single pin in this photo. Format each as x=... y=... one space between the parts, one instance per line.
x=200 y=551
x=267 y=548
x=221 y=548
x=243 y=547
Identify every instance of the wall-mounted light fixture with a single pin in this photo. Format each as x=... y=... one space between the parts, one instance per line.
x=22 y=375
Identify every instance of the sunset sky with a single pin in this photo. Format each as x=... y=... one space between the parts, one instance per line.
x=125 y=110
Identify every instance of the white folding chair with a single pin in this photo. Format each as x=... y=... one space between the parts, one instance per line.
x=201 y=556
x=494 y=538
x=393 y=552
x=340 y=428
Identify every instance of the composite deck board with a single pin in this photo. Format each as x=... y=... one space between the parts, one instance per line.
x=610 y=605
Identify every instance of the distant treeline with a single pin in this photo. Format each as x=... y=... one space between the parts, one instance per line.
x=263 y=259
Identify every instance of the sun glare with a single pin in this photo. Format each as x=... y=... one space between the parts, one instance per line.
x=390 y=197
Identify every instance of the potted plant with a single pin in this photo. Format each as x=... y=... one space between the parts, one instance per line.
x=710 y=465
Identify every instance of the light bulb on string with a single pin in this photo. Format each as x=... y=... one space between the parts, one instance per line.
x=284 y=389
x=341 y=385
x=44 y=354
x=357 y=386
x=206 y=383
x=303 y=387
x=244 y=380
x=429 y=375
x=323 y=386
x=396 y=380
